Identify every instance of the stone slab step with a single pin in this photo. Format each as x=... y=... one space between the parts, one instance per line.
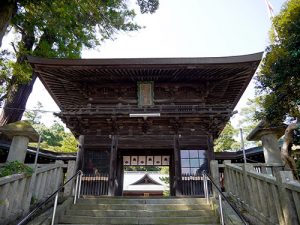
x=142 y=201
x=134 y=224
x=154 y=207
x=140 y=213
x=67 y=219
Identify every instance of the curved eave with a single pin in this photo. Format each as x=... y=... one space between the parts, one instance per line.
x=146 y=61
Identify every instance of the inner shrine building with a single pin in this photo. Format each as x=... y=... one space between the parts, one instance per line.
x=146 y=111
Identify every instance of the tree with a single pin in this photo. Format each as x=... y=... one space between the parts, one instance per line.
x=7 y=11
x=10 y=8
x=226 y=141
x=59 y=28
x=142 y=168
x=69 y=143
x=53 y=138
x=248 y=120
x=279 y=77
x=34 y=116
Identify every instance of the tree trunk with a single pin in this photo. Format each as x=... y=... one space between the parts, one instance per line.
x=7 y=11
x=16 y=102
x=287 y=148
x=17 y=94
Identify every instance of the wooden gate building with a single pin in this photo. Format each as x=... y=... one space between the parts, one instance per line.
x=158 y=111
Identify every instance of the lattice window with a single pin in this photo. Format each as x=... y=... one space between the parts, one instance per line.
x=193 y=162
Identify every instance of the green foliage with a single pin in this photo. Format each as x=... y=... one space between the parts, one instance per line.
x=298 y=166
x=33 y=200
x=35 y=115
x=226 y=141
x=62 y=28
x=69 y=143
x=15 y=167
x=5 y=72
x=164 y=170
x=53 y=138
x=166 y=180
x=279 y=76
x=21 y=71
x=248 y=120
x=142 y=168
x=148 y=6
x=296 y=136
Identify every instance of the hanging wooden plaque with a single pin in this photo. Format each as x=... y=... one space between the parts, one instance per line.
x=145 y=93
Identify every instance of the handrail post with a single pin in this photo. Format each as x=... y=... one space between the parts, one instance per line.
x=55 y=195
x=54 y=209
x=221 y=209
x=207 y=177
x=205 y=187
x=76 y=188
x=79 y=189
x=204 y=190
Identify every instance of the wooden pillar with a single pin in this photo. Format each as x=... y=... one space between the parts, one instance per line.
x=79 y=157
x=120 y=175
x=112 y=186
x=177 y=167
x=210 y=149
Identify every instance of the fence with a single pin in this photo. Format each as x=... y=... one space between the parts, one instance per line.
x=268 y=199
x=95 y=185
x=18 y=192
x=192 y=185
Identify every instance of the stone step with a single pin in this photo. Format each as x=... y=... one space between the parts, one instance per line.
x=153 y=207
x=67 y=219
x=140 y=213
x=142 y=200
x=134 y=224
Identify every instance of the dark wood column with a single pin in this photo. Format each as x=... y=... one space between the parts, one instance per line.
x=177 y=167
x=112 y=186
x=120 y=175
x=80 y=155
x=210 y=150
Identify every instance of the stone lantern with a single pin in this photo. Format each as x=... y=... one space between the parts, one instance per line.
x=21 y=133
x=269 y=137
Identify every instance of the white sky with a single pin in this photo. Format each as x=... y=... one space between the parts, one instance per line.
x=185 y=28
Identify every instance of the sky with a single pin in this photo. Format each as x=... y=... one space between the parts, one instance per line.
x=185 y=28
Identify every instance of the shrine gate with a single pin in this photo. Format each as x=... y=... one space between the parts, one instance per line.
x=152 y=111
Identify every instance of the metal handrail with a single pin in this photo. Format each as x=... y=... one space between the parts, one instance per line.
x=78 y=176
x=220 y=199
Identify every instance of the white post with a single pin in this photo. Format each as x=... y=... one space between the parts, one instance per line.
x=54 y=208
x=79 y=189
x=206 y=189
x=76 y=188
x=243 y=145
x=37 y=153
x=221 y=210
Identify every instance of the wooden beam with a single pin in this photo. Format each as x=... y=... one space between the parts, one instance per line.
x=112 y=185
x=177 y=167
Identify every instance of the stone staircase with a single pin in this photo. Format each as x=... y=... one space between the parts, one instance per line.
x=121 y=211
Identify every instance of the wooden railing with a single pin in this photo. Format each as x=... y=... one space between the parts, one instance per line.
x=192 y=184
x=268 y=199
x=18 y=192
x=265 y=168
x=94 y=184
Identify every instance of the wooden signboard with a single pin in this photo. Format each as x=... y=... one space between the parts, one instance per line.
x=145 y=93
